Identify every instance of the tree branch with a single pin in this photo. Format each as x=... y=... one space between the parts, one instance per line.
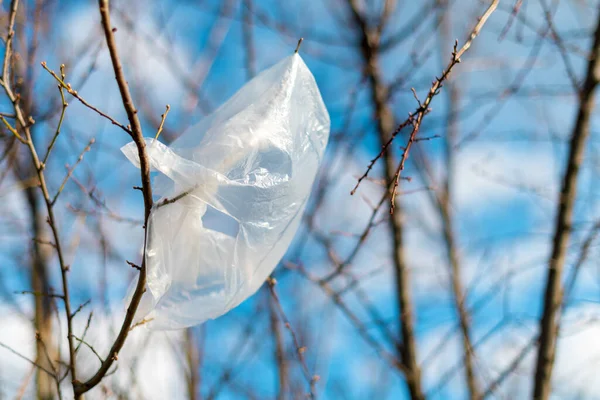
x=136 y=134
x=25 y=125
x=549 y=326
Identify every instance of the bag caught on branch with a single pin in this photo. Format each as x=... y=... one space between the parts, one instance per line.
x=233 y=190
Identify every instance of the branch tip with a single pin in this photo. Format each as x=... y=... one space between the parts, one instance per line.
x=298 y=46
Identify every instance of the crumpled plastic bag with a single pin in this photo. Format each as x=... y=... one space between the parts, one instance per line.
x=233 y=190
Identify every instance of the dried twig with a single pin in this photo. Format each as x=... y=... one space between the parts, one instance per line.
x=415 y=119
x=300 y=350
x=172 y=200
x=163 y=117
x=56 y=295
x=71 y=170
x=136 y=134
x=89 y=346
x=25 y=124
x=73 y=92
x=26 y=359
x=62 y=115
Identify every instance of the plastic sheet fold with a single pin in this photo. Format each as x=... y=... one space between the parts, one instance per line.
x=233 y=190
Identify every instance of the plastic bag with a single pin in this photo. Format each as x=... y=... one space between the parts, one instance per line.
x=233 y=190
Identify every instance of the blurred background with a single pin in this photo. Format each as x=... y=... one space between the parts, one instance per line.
x=482 y=265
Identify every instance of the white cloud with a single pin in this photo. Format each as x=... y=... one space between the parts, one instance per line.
x=487 y=173
x=144 y=53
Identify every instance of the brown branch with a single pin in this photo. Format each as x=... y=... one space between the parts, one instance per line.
x=433 y=91
x=381 y=154
x=142 y=322
x=132 y=265
x=192 y=360
x=180 y=196
x=89 y=346
x=407 y=353
x=514 y=87
x=25 y=125
x=73 y=92
x=35 y=293
x=136 y=134
x=12 y=130
x=549 y=326
x=443 y=202
x=416 y=118
x=280 y=358
x=298 y=45
x=163 y=117
x=300 y=350
x=62 y=115
x=81 y=307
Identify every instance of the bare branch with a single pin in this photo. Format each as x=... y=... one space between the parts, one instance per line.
x=163 y=117
x=549 y=326
x=73 y=92
x=136 y=134
x=26 y=359
x=300 y=350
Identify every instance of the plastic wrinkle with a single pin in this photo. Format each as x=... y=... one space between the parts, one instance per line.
x=233 y=190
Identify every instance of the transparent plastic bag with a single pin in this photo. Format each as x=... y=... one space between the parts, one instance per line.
x=233 y=190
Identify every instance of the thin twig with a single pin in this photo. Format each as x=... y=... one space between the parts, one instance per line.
x=163 y=117
x=300 y=350
x=62 y=115
x=384 y=148
x=354 y=320
x=415 y=119
x=73 y=92
x=132 y=265
x=13 y=130
x=298 y=45
x=434 y=90
x=71 y=170
x=81 y=306
x=172 y=200
x=26 y=359
x=89 y=347
x=142 y=322
x=85 y=330
x=55 y=295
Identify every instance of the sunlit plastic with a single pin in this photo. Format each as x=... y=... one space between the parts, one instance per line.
x=233 y=189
